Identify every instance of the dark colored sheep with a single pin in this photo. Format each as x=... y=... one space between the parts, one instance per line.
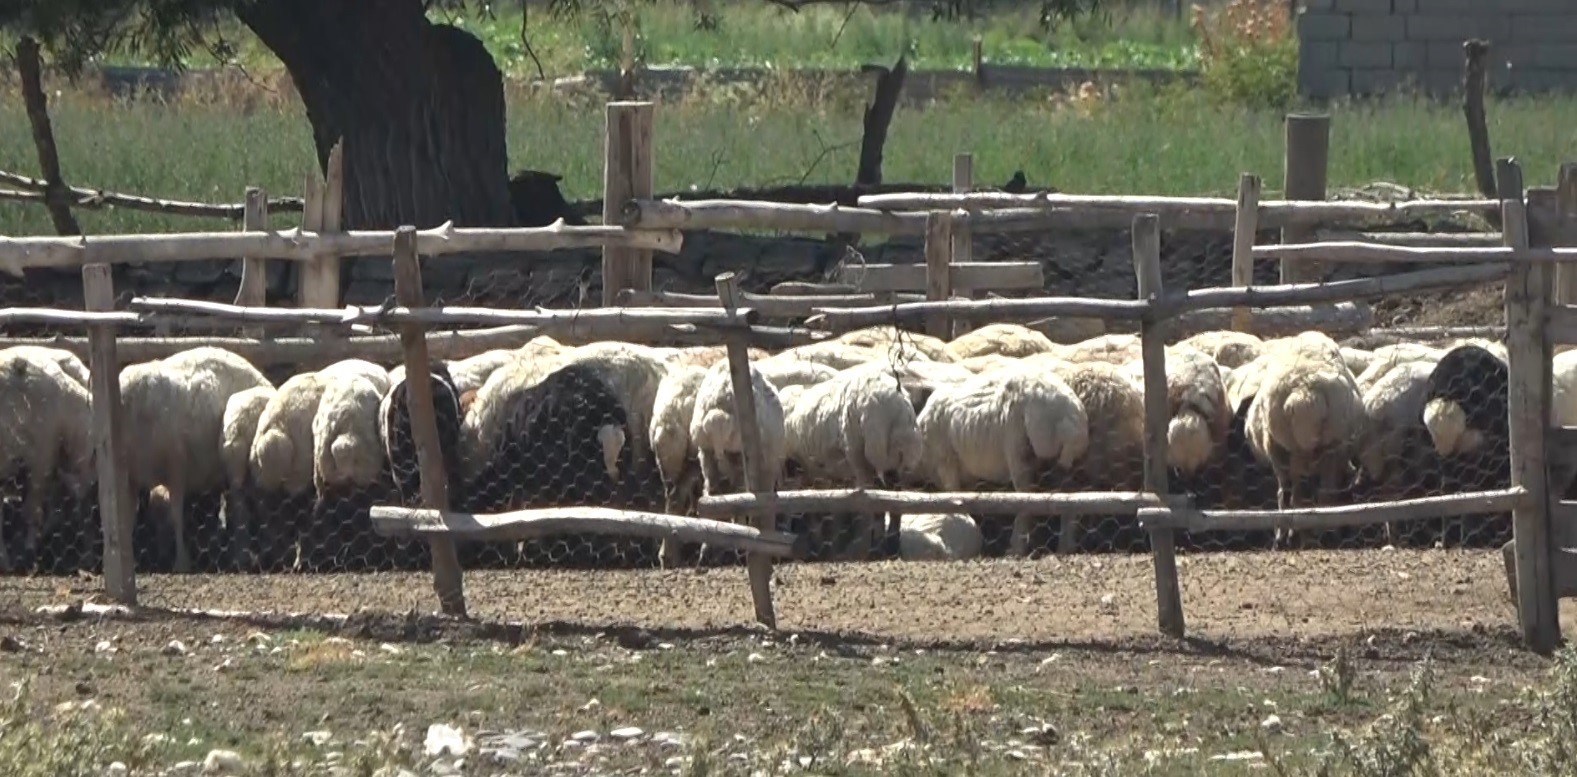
x=538 y=201
x=1478 y=381
x=399 y=445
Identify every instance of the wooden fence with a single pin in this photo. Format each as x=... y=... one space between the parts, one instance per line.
x=1525 y=260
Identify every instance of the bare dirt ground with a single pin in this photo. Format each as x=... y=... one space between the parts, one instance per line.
x=1107 y=599
x=994 y=667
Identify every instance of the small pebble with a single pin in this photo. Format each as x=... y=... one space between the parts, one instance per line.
x=628 y=732
x=223 y=762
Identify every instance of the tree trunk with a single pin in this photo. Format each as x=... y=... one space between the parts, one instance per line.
x=420 y=107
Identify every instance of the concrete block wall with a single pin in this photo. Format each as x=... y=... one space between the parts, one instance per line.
x=1365 y=47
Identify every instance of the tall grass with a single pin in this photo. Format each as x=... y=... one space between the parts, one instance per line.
x=1172 y=141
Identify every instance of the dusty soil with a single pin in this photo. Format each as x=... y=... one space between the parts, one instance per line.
x=1074 y=600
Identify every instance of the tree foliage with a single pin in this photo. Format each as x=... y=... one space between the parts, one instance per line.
x=169 y=31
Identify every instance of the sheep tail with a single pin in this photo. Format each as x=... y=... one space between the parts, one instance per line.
x=274 y=453
x=1056 y=434
x=1307 y=409
x=718 y=427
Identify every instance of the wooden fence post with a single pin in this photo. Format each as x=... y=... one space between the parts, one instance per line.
x=1307 y=162
x=1244 y=229
x=963 y=234
x=977 y=60
x=939 y=269
x=759 y=477
x=325 y=204
x=626 y=174
x=115 y=502
x=1157 y=415
x=424 y=423
x=1527 y=300
x=253 y=291
x=1566 y=213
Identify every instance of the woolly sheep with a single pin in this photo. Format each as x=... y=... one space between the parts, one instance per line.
x=1306 y=417
x=399 y=442
x=715 y=430
x=1230 y=349
x=1198 y=405
x=193 y=386
x=471 y=372
x=1563 y=401
x=347 y=450
x=1010 y=340
x=360 y=368
x=1467 y=407
x=979 y=364
x=1357 y=359
x=281 y=455
x=45 y=416
x=670 y=436
x=1113 y=349
x=242 y=413
x=1000 y=426
x=1386 y=357
x=67 y=361
x=782 y=373
x=1114 y=407
x=939 y=537
x=634 y=372
x=705 y=355
x=862 y=423
x=837 y=355
x=882 y=338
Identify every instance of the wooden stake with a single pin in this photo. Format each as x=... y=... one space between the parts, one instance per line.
x=758 y=475
x=939 y=270
x=1157 y=416
x=424 y=422
x=1243 y=233
x=626 y=175
x=116 y=507
x=253 y=291
x=1308 y=141
x=963 y=232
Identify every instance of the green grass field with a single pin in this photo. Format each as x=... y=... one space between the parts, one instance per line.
x=1173 y=142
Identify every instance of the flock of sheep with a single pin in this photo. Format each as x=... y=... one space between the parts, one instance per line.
x=235 y=472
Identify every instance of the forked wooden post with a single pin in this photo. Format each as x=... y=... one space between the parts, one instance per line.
x=939 y=269
x=759 y=477
x=115 y=502
x=1244 y=229
x=424 y=422
x=1157 y=415
x=254 y=272
x=325 y=205
x=626 y=175
x=1566 y=233
x=1308 y=143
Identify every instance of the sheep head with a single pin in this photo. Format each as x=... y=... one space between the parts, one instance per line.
x=1447 y=425
x=611 y=438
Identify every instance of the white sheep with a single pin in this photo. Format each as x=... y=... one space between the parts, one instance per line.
x=1114 y=406
x=1010 y=340
x=670 y=434
x=633 y=372
x=716 y=435
x=1000 y=426
x=242 y=413
x=939 y=537
x=1306 y=417
x=861 y=425
x=1394 y=443
x=1113 y=349
x=281 y=454
x=979 y=364
x=180 y=401
x=1563 y=400
x=1228 y=348
x=835 y=354
x=471 y=372
x=67 y=361
x=883 y=338
x=347 y=449
x=1384 y=358
x=782 y=373
x=46 y=417
x=1357 y=359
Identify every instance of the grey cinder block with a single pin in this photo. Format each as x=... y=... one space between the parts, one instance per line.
x=1545 y=27
x=1324 y=27
x=1324 y=82
x=1364 y=6
x=1379 y=28
x=1410 y=56
x=1375 y=81
x=1365 y=55
x=1456 y=27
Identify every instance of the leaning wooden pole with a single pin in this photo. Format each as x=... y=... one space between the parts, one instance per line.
x=759 y=477
x=1157 y=415
x=424 y=422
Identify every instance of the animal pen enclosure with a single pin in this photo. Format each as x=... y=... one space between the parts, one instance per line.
x=1159 y=513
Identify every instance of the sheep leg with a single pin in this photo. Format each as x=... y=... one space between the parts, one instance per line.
x=1286 y=491
x=177 y=520
x=1022 y=472
x=238 y=523
x=857 y=547
x=33 y=509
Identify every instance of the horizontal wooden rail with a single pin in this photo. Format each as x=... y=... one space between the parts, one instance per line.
x=20 y=253
x=1415 y=239
x=1188 y=211
x=1193 y=520
x=996 y=276
x=84 y=197
x=1171 y=306
x=527 y=524
x=1342 y=251
x=832 y=217
x=911 y=502
x=565 y=320
x=766 y=305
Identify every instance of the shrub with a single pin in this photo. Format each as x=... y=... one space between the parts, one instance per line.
x=1248 y=53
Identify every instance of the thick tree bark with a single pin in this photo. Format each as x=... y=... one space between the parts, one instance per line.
x=57 y=197
x=420 y=107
